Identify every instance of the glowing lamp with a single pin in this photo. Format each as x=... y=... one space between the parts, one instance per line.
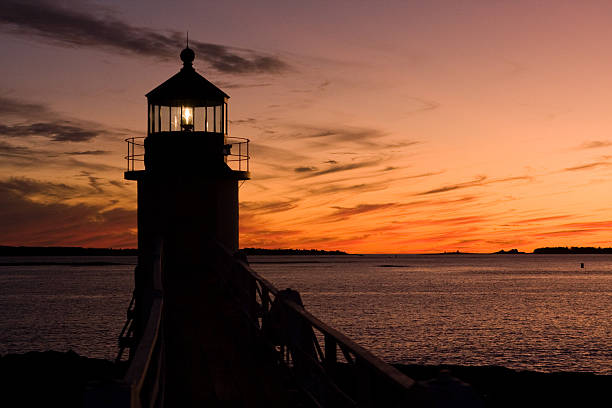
x=187 y=118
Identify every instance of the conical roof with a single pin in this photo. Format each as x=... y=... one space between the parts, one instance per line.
x=187 y=87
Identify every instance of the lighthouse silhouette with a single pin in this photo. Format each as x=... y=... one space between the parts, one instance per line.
x=188 y=202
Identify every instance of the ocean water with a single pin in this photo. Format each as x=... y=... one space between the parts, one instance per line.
x=70 y=304
x=537 y=312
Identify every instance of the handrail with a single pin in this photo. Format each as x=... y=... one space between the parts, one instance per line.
x=143 y=376
x=308 y=348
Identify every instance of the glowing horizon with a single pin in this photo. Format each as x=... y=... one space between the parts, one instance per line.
x=409 y=128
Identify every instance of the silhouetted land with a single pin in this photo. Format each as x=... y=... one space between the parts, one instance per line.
x=260 y=251
x=502 y=387
x=51 y=378
x=573 y=250
x=64 y=251
x=511 y=251
x=80 y=251
x=54 y=378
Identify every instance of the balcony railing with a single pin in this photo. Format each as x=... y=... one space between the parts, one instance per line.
x=135 y=153
x=236 y=149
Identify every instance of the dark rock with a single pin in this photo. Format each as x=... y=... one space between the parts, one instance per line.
x=51 y=378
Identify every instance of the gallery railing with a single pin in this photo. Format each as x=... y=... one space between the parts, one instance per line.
x=135 y=153
x=237 y=150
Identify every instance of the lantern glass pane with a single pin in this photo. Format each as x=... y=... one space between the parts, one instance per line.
x=165 y=118
x=225 y=118
x=155 y=116
x=198 y=119
x=175 y=118
x=209 y=119
x=218 y=119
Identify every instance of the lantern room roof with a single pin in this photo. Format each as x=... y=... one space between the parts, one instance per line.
x=187 y=87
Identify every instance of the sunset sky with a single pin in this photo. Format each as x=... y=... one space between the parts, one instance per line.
x=375 y=127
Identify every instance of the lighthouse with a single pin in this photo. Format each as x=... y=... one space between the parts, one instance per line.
x=188 y=175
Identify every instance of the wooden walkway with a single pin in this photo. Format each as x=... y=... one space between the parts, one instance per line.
x=224 y=369
x=219 y=335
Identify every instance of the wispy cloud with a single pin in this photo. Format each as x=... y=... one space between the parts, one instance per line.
x=56 y=131
x=479 y=181
x=15 y=107
x=342 y=167
x=333 y=188
x=42 y=121
x=89 y=153
x=424 y=105
x=595 y=144
x=72 y=27
x=265 y=207
x=304 y=169
x=344 y=212
x=19 y=153
x=541 y=219
x=347 y=135
x=588 y=166
x=26 y=187
x=27 y=222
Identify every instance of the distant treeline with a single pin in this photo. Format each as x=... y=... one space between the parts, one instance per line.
x=573 y=250
x=261 y=251
x=63 y=251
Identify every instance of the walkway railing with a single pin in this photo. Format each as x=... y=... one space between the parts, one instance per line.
x=329 y=367
x=143 y=382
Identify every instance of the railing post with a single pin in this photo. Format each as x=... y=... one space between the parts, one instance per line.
x=364 y=384
x=127 y=158
x=330 y=351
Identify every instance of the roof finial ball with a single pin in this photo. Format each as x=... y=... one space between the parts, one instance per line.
x=187 y=55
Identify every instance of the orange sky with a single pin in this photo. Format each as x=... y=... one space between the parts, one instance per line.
x=409 y=127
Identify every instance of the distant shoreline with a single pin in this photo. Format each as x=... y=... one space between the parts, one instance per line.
x=6 y=250
x=64 y=251
x=261 y=251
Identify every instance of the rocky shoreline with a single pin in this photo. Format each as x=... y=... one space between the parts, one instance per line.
x=54 y=378
x=51 y=378
x=503 y=387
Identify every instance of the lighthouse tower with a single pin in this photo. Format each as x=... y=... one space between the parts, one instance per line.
x=187 y=196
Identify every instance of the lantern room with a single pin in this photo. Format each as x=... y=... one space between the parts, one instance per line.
x=187 y=129
x=187 y=102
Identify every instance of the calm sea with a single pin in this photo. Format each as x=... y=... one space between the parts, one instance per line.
x=537 y=312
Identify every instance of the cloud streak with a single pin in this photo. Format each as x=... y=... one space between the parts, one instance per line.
x=341 y=168
x=596 y=144
x=588 y=166
x=64 y=131
x=28 y=222
x=266 y=207
x=479 y=181
x=71 y=27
